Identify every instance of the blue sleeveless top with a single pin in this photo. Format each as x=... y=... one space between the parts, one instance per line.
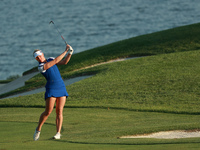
x=55 y=86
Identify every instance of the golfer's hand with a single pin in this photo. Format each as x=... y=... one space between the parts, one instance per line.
x=67 y=48
x=71 y=50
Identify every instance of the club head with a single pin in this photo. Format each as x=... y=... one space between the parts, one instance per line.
x=51 y=22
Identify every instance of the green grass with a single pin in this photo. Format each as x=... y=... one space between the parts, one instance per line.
x=179 y=39
x=92 y=127
x=162 y=83
x=143 y=95
x=5 y=81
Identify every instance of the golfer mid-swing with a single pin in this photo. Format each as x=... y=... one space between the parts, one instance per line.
x=55 y=88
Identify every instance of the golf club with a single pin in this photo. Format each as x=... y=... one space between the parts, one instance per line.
x=58 y=31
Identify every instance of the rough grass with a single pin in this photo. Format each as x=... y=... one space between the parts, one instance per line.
x=162 y=83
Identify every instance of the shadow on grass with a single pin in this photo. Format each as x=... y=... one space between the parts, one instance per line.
x=104 y=107
x=137 y=110
x=133 y=143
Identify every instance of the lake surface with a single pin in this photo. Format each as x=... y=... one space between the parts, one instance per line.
x=85 y=24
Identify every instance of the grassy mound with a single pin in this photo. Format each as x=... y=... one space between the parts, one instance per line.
x=179 y=39
x=136 y=96
x=164 y=83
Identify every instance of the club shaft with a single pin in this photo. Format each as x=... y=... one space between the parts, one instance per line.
x=58 y=31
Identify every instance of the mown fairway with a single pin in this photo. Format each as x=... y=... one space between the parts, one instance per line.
x=92 y=128
x=142 y=95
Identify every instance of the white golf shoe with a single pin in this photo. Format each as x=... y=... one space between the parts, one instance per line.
x=57 y=136
x=36 y=135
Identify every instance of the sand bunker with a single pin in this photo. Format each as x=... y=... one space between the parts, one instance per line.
x=168 y=135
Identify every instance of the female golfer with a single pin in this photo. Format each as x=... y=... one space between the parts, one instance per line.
x=55 y=88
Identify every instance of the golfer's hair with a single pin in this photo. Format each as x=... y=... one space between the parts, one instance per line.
x=36 y=51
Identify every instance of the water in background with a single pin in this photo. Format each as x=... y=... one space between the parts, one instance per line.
x=85 y=24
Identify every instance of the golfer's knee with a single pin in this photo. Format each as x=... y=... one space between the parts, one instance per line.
x=59 y=112
x=47 y=113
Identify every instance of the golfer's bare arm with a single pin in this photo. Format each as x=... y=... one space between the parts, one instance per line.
x=56 y=60
x=65 y=61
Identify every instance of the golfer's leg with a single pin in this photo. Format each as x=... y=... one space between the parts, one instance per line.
x=60 y=103
x=49 y=107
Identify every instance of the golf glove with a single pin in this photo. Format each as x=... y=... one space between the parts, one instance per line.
x=71 y=50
